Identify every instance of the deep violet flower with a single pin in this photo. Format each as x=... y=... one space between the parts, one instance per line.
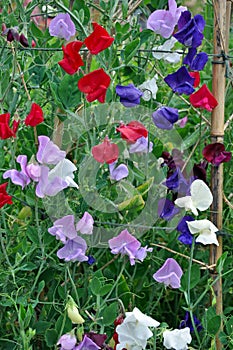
x=196 y=62
x=163 y=22
x=190 y=29
x=203 y=99
x=119 y=172
x=87 y=344
x=216 y=154
x=129 y=95
x=73 y=250
x=187 y=322
x=98 y=40
x=62 y=26
x=180 y=81
x=177 y=182
x=35 y=116
x=199 y=170
x=63 y=228
x=165 y=117
x=105 y=152
x=132 y=131
x=72 y=59
x=169 y=274
x=95 y=85
x=167 y=209
x=4 y=196
x=185 y=236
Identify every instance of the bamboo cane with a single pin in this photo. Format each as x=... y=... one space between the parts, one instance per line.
x=217 y=135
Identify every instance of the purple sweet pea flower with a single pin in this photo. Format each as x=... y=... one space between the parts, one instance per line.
x=118 y=173
x=64 y=228
x=85 y=224
x=87 y=344
x=165 y=117
x=176 y=182
x=166 y=209
x=185 y=237
x=34 y=171
x=190 y=29
x=129 y=95
x=62 y=26
x=20 y=178
x=169 y=274
x=180 y=81
x=141 y=146
x=73 y=250
x=99 y=339
x=187 y=322
x=196 y=62
x=48 y=152
x=67 y=341
x=49 y=187
x=163 y=22
x=126 y=244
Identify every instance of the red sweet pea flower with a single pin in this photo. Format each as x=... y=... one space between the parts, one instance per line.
x=95 y=85
x=98 y=40
x=204 y=99
x=215 y=153
x=4 y=196
x=35 y=115
x=5 y=130
x=106 y=152
x=196 y=76
x=71 y=57
x=132 y=131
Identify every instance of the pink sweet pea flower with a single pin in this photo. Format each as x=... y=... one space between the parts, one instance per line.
x=105 y=152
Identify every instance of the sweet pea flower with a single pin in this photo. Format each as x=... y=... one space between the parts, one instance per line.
x=118 y=173
x=216 y=154
x=67 y=341
x=166 y=209
x=187 y=322
x=132 y=131
x=173 y=57
x=206 y=230
x=203 y=99
x=5 y=130
x=134 y=331
x=182 y=122
x=4 y=196
x=48 y=152
x=169 y=274
x=177 y=182
x=126 y=244
x=98 y=40
x=196 y=76
x=72 y=311
x=85 y=224
x=201 y=198
x=190 y=30
x=72 y=59
x=87 y=344
x=73 y=250
x=62 y=26
x=180 y=81
x=129 y=95
x=196 y=62
x=20 y=178
x=163 y=22
x=177 y=339
x=64 y=170
x=63 y=229
x=49 y=186
x=35 y=116
x=185 y=236
x=106 y=152
x=141 y=146
x=149 y=88
x=165 y=117
x=95 y=85
x=99 y=339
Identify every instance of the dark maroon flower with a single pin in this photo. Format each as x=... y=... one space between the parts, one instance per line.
x=23 y=40
x=215 y=153
x=199 y=171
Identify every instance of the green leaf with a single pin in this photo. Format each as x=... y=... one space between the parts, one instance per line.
x=190 y=140
x=135 y=203
x=41 y=326
x=145 y=35
x=51 y=337
x=221 y=261
x=109 y=314
x=95 y=286
x=213 y=325
x=105 y=289
x=194 y=279
x=144 y=188
x=28 y=267
x=68 y=92
x=33 y=235
x=131 y=49
x=229 y=326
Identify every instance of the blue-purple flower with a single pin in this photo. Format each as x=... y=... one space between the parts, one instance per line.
x=190 y=30
x=180 y=81
x=129 y=95
x=187 y=322
x=169 y=274
x=165 y=117
x=167 y=209
x=196 y=62
x=185 y=236
x=62 y=26
x=177 y=182
x=87 y=344
x=73 y=250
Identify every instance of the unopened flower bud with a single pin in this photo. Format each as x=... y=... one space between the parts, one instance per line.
x=73 y=312
x=23 y=40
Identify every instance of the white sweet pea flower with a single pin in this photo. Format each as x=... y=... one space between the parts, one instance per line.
x=177 y=339
x=149 y=88
x=64 y=170
x=206 y=229
x=133 y=333
x=173 y=57
x=201 y=198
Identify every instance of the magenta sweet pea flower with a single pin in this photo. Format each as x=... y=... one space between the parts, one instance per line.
x=165 y=117
x=129 y=95
x=64 y=228
x=163 y=22
x=62 y=26
x=118 y=173
x=85 y=224
x=169 y=274
x=216 y=154
x=73 y=250
x=48 y=152
x=67 y=341
x=180 y=81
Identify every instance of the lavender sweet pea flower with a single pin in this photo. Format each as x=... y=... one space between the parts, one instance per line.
x=64 y=169
x=185 y=237
x=20 y=178
x=62 y=26
x=190 y=29
x=34 y=171
x=64 y=228
x=48 y=152
x=141 y=146
x=180 y=81
x=166 y=209
x=49 y=187
x=163 y=22
x=169 y=274
x=196 y=62
x=67 y=341
x=129 y=95
x=85 y=224
x=118 y=173
x=165 y=117
x=87 y=344
x=73 y=250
